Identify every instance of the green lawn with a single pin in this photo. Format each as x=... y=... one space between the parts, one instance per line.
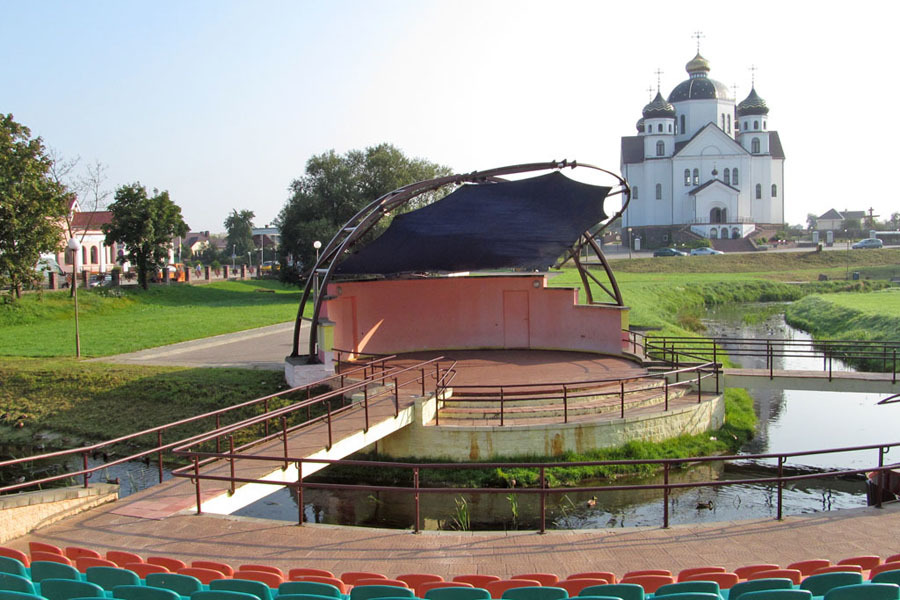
x=116 y=320
x=885 y=302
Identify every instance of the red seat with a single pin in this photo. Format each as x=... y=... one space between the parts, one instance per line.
x=122 y=558
x=725 y=580
x=144 y=569
x=380 y=581
x=50 y=556
x=85 y=562
x=343 y=587
x=839 y=569
x=607 y=575
x=543 y=578
x=300 y=572
x=76 y=552
x=16 y=554
x=574 y=586
x=221 y=567
x=647 y=572
x=479 y=581
x=42 y=547
x=793 y=574
x=685 y=573
x=352 y=577
x=806 y=567
x=649 y=582
x=413 y=580
x=496 y=588
x=263 y=568
x=886 y=566
x=273 y=580
x=172 y=564
x=892 y=558
x=204 y=575
x=746 y=571
x=423 y=588
x=866 y=562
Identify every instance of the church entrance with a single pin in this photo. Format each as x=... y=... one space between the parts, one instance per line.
x=717 y=215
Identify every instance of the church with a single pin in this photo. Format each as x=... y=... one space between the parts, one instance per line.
x=701 y=166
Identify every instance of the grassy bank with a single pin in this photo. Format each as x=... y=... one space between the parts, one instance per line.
x=117 y=320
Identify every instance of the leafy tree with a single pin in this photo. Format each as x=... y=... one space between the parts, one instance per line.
x=811 y=221
x=336 y=187
x=239 y=226
x=146 y=226
x=32 y=206
x=895 y=220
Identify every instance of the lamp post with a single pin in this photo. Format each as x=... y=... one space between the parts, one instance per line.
x=316 y=244
x=629 y=242
x=847 y=238
x=74 y=246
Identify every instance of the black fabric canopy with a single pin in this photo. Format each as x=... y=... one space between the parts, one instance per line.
x=516 y=224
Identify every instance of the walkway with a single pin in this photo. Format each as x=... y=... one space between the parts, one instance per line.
x=817 y=381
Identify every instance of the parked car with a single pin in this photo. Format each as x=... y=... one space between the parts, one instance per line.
x=705 y=252
x=669 y=252
x=868 y=243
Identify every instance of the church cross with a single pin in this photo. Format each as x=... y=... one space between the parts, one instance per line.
x=658 y=73
x=752 y=75
x=698 y=35
x=649 y=92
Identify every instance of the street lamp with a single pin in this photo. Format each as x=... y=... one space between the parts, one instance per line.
x=316 y=244
x=629 y=242
x=847 y=237
x=74 y=246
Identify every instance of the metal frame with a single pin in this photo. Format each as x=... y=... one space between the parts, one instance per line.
x=364 y=220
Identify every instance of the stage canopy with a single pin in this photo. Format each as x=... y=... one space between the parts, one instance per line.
x=524 y=224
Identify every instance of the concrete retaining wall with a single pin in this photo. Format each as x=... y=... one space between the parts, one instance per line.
x=25 y=512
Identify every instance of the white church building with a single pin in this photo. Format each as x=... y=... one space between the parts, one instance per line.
x=701 y=164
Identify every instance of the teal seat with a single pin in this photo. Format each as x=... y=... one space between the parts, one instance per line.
x=13 y=566
x=10 y=595
x=257 y=588
x=777 y=595
x=183 y=585
x=67 y=589
x=143 y=592
x=625 y=591
x=600 y=597
x=16 y=583
x=818 y=585
x=45 y=569
x=755 y=585
x=303 y=597
x=111 y=577
x=535 y=593
x=681 y=587
x=865 y=591
x=691 y=596
x=457 y=593
x=887 y=577
x=366 y=592
x=221 y=595
x=314 y=588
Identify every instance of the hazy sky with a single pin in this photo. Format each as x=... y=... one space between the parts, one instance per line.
x=222 y=102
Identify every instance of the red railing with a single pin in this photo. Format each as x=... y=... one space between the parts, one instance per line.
x=85 y=452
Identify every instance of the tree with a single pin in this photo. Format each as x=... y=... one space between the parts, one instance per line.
x=145 y=225
x=895 y=220
x=336 y=187
x=239 y=226
x=32 y=206
x=811 y=221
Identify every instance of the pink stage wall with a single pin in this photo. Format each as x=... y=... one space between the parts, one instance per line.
x=392 y=316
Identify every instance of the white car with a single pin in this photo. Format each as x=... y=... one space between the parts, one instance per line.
x=868 y=243
x=705 y=252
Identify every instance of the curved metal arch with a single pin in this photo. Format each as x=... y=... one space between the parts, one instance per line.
x=367 y=217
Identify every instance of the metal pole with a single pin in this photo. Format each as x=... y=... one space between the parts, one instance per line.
x=543 y=502
x=75 y=296
x=84 y=457
x=366 y=406
x=666 y=383
x=300 y=506
x=231 y=459
x=501 y=407
x=416 y=495
x=881 y=452
x=197 y=482
x=780 y=486
x=159 y=463
x=423 y=381
x=622 y=399
x=328 y=406
x=699 y=386
x=830 y=356
x=397 y=399
x=284 y=440
x=666 y=496
x=266 y=411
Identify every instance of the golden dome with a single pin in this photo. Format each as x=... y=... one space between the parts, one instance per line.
x=697 y=64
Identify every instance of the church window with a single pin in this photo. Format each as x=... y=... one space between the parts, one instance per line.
x=68 y=257
x=734 y=176
x=758 y=191
x=754 y=146
x=670 y=128
x=713 y=233
x=94 y=255
x=659 y=191
x=84 y=255
x=764 y=124
x=727 y=177
x=774 y=191
x=696 y=176
x=682 y=124
x=659 y=127
x=755 y=124
x=723 y=121
x=634 y=191
x=687 y=177
x=660 y=148
x=746 y=123
x=729 y=123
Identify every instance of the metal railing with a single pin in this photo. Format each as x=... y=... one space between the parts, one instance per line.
x=543 y=488
x=85 y=452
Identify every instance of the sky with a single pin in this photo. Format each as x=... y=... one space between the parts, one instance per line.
x=222 y=102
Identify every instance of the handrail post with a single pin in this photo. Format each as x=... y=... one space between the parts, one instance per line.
x=416 y=495
x=622 y=398
x=265 y=412
x=894 y=367
x=565 y=404
x=830 y=357
x=771 y=360
x=501 y=406
x=716 y=373
x=543 y=502
x=231 y=459
x=328 y=406
x=881 y=452
x=396 y=399
x=300 y=507
x=780 y=516
x=699 y=385
x=284 y=440
x=769 y=355
x=665 y=495
x=159 y=462
x=84 y=457
x=218 y=439
x=366 y=406
x=423 y=381
x=197 y=481
x=666 y=384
